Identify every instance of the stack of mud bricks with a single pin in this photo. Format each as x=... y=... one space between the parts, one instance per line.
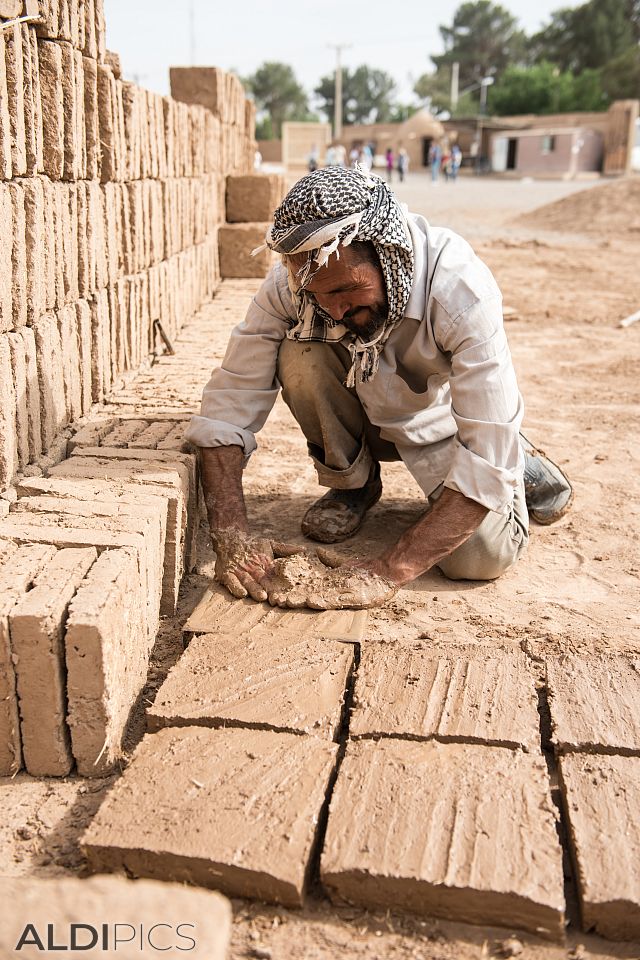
x=249 y=199
x=110 y=202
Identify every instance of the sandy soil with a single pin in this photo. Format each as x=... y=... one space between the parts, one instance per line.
x=576 y=588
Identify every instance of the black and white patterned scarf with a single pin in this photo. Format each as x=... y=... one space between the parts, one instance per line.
x=325 y=210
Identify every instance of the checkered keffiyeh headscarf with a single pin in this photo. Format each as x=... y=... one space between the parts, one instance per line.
x=325 y=210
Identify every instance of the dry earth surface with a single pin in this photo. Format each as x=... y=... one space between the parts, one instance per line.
x=575 y=590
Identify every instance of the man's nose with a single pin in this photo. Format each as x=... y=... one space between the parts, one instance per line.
x=335 y=306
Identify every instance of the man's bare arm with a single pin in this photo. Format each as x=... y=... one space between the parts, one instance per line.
x=450 y=522
x=221 y=469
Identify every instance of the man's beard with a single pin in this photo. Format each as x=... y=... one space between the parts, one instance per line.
x=377 y=317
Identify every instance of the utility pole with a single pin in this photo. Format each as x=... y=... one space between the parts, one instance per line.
x=337 y=104
x=455 y=84
x=192 y=32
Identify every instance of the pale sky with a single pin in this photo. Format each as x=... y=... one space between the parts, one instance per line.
x=394 y=35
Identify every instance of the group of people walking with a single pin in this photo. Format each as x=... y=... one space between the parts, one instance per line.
x=445 y=159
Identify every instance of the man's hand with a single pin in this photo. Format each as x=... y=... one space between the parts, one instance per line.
x=318 y=582
x=244 y=563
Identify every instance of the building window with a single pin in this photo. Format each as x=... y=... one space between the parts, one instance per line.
x=548 y=143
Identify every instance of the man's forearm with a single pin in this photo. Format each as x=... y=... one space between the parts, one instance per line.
x=450 y=522
x=221 y=470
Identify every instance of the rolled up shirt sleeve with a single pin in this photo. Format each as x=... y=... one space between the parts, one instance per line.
x=241 y=392
x=486 y=405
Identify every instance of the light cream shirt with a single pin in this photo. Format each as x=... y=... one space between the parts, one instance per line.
x=445 y=392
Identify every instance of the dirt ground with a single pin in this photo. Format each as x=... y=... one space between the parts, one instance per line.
x=575 y=589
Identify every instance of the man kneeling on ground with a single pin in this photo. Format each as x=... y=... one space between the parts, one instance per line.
x=386 y=337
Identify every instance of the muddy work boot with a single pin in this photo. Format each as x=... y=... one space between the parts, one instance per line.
x=340 y=513
x=547 y=490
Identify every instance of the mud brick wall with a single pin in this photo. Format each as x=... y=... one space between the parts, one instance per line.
x=110 y=201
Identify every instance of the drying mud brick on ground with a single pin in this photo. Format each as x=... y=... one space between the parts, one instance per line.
x=425 y=780
x=232 y=809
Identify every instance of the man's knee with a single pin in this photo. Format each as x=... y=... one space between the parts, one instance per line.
x=306 y=367
x=488 y=553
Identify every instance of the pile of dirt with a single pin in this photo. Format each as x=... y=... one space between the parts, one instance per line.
x=610 y=209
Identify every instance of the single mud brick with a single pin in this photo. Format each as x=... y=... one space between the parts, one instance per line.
x=90 y=48
x=80 y=145
x=174 y=440
x=101 y=30
x=18 y=255
x=100 y=346
x=32 y=107
x=231 y=809
x=69 y=89
x=113 y=229
x=5 y=120
x=115 y=516
x=236 y=243
x=10 y=9
x=52 y=105
x=217 y=613
x=106 y=114
x=83 y=327
x=282 y=677
x=85 y=279
x=19 y=371
x=15 y=91
x=8 y=440
x=149 y=478
x=131 y=107
x=69 y=207
x=52 y=270
x=6 y=258
x=33 y=393
x=253 y=198
x=595 y=703
x=450 y=830
x=201 y=85
x=411 y=693
x=34 y=209
x=20 y=568
x=91 y=123
x=96 y=236
x=49 y=15
x=198 y=921
x=64 y=24
x=107 y=657
x=53 y=415
x=36 y=625
x=601 y=797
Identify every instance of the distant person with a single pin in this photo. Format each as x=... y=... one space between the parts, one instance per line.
x=389 y=159
x=331 y=157
x=257 y=160
x=354 y=156
x=366 y=157
x=456 y=160
x=446 y=164
x=341 y=154
x=314 y=157
x=435 y=160
x=386 y=336
x=403 y=163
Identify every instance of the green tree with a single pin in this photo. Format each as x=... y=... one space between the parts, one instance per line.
x=589 y=36
x=620 y=78
x=367 y=95
x=484 y=39
x=278 y=97
x=544 y=89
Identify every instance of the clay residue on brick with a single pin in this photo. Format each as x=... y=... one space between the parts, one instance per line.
x=411 y=693
x=452 y=830
x=595 y=703
x=602 y=798
x=232 y=809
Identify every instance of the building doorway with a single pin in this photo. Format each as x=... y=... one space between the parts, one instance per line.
x=426 y=146
x=512 y=153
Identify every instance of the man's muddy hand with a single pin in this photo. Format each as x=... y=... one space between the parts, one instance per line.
x=322 y=585
x=243 y=562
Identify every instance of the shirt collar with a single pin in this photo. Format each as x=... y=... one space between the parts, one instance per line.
x=418 y=297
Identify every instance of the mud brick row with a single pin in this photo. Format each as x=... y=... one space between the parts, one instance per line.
x=221 y=93
x=594 y=702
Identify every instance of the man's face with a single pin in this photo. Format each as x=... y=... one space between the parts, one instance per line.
x=351 y=291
